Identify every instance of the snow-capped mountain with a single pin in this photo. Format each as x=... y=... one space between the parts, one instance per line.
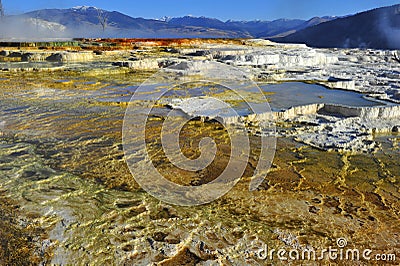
x=377 y=28
x=84 y=21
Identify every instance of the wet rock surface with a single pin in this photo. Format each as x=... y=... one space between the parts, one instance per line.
x=62 y=162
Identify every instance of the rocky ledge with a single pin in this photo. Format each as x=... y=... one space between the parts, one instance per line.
x=324 y=126
x=35 y=56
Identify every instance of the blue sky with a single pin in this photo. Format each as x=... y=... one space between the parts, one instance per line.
x=221 y=9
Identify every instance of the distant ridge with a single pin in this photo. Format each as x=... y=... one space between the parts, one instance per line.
x=83 y=21
x=378 y=28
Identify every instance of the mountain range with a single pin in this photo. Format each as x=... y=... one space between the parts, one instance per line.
x=84 y=21
x=378 y=28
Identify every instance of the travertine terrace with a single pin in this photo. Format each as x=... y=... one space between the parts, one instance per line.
x=68 y=197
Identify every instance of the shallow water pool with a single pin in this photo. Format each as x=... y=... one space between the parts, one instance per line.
x=288 y=94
